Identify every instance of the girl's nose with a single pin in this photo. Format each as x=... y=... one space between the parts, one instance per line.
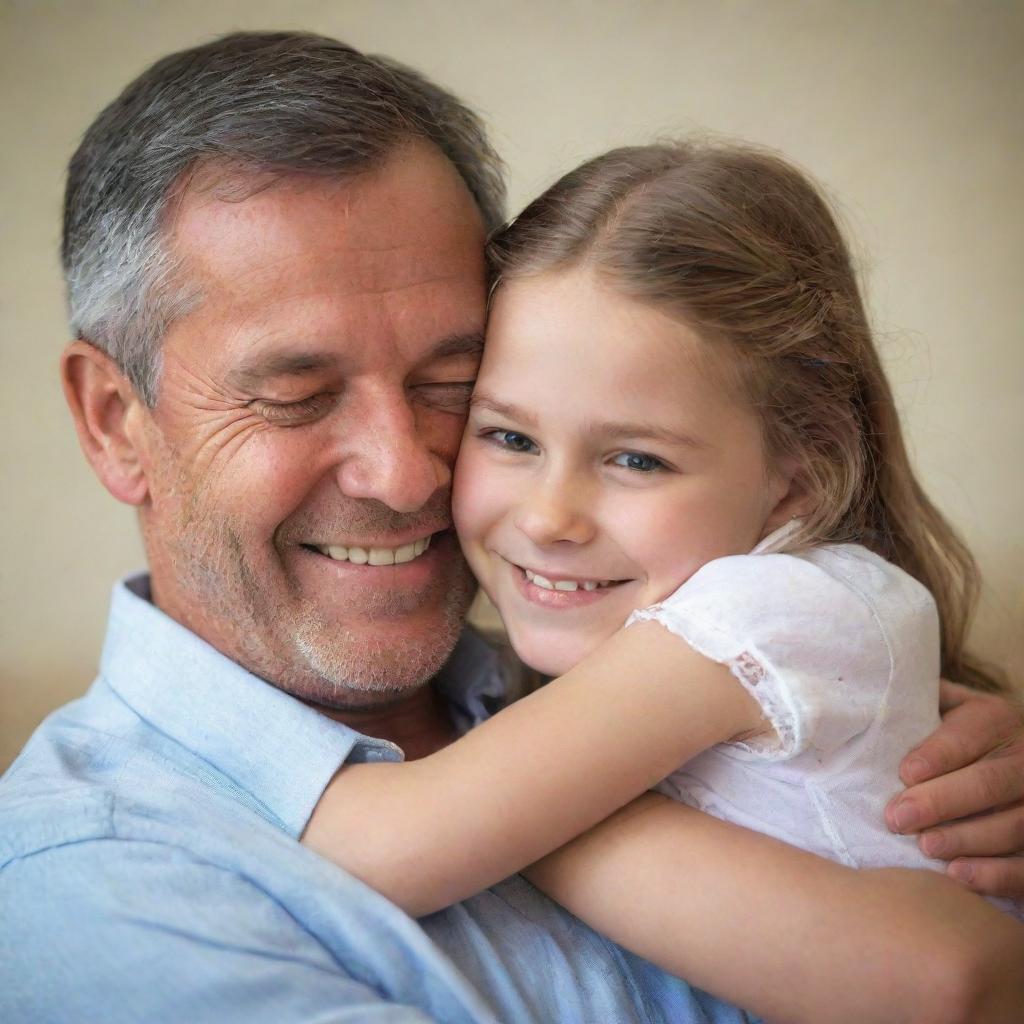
x=554 y=513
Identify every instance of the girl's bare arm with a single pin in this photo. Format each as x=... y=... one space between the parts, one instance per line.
x=430 y=832
x=762 y=924
x=784 y=933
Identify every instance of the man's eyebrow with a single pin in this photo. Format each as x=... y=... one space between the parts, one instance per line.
x=266 y=367
x=279 y=364
x=471 y=343
x=602 y=428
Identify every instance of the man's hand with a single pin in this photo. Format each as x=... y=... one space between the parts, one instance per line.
x=966 y=791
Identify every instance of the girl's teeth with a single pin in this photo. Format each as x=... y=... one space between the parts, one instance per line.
x=567 y=585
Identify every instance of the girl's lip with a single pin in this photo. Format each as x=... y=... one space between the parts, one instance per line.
x=557 y=599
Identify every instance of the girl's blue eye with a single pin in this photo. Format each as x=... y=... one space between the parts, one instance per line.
x=638 y=462
x=512 y=440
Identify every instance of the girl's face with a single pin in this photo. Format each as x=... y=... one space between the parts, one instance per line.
x=603 y=463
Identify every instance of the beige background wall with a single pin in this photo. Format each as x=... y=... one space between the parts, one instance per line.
x=911 y=112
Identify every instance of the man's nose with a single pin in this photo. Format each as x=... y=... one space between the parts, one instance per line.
x=393 y=457
x=556 y=509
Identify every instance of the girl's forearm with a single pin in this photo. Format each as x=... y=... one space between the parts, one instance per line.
x=431 y=832
x=785 y=933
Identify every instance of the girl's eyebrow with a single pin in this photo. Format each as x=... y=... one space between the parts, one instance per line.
x=646 y=431
x=513 y=412
x=599 y=428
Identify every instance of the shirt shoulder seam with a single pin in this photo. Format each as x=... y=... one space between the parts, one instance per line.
x=195 y=858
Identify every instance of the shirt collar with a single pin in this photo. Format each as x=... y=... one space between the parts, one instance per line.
x=473 y=681
x=270 y=744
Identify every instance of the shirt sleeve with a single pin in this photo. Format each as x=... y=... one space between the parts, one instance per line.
x=95 y=944
x=805 y=643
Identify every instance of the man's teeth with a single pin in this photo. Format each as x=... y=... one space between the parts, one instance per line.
x=542 y=581
x=376 y=556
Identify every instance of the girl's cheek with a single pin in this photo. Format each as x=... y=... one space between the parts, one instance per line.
x=474 y=504
x=463 y=486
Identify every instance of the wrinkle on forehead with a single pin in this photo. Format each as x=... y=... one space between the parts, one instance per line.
x=306 y=271
x=223 y=259
x=378 y=205
x=409 y=223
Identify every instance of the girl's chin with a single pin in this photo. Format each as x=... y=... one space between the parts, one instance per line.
x=550 y=657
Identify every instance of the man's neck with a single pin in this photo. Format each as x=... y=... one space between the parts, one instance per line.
x=419 y=723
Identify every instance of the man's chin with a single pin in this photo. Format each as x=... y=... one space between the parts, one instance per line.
x=385 y=656
x=356 y=672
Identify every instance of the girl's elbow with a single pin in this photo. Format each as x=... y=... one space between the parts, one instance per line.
x=991 y=984
x=974 y=968
x=962 y=959
x=977 y=985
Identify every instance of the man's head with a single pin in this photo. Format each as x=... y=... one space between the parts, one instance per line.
x=273 y=247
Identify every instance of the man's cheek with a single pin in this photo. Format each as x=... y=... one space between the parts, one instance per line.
x=446 y=436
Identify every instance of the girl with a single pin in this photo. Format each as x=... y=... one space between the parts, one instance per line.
x=681 y=423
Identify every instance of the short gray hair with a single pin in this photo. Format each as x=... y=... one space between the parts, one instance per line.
x=284 y=102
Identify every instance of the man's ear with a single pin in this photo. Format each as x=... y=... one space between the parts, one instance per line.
x=108 y=419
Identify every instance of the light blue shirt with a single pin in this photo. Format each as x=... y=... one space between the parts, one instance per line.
x=150 y=869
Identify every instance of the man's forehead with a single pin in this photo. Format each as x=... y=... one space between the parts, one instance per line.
x=376 y=233
x=372 y=205
x=307 y=274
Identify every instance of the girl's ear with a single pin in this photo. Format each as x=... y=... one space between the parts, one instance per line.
x=108 y=417
x=789 y=496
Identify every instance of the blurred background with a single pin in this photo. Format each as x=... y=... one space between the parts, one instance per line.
x=911 y=113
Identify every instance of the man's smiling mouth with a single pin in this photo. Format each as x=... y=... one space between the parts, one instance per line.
x=375 y=555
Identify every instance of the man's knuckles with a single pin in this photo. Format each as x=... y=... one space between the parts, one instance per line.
x=992 y=876
x=989 y=835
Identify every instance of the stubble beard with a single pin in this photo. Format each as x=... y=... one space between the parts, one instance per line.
x=351 y=667
x=282 y=635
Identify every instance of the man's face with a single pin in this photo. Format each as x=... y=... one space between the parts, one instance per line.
x=309 y=413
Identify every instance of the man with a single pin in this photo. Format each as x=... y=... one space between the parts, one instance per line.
x=273 y=247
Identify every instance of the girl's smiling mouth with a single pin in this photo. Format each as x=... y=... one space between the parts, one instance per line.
x=567 y=584
x=557 y=590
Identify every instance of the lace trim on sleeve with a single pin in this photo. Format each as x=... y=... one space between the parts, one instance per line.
x=753 y=674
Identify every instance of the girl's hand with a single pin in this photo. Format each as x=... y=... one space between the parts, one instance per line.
x=966 y=791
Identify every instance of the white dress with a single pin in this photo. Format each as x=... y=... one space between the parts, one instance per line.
x=841 y=650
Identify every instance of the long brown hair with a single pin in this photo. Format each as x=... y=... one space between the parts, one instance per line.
x=740 y=245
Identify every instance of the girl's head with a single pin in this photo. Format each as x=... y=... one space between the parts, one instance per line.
x=678 y=362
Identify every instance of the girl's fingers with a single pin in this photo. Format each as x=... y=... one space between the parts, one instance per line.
x=989 y=835
x=993 y=782
x=975 y=724
x=991 y=876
